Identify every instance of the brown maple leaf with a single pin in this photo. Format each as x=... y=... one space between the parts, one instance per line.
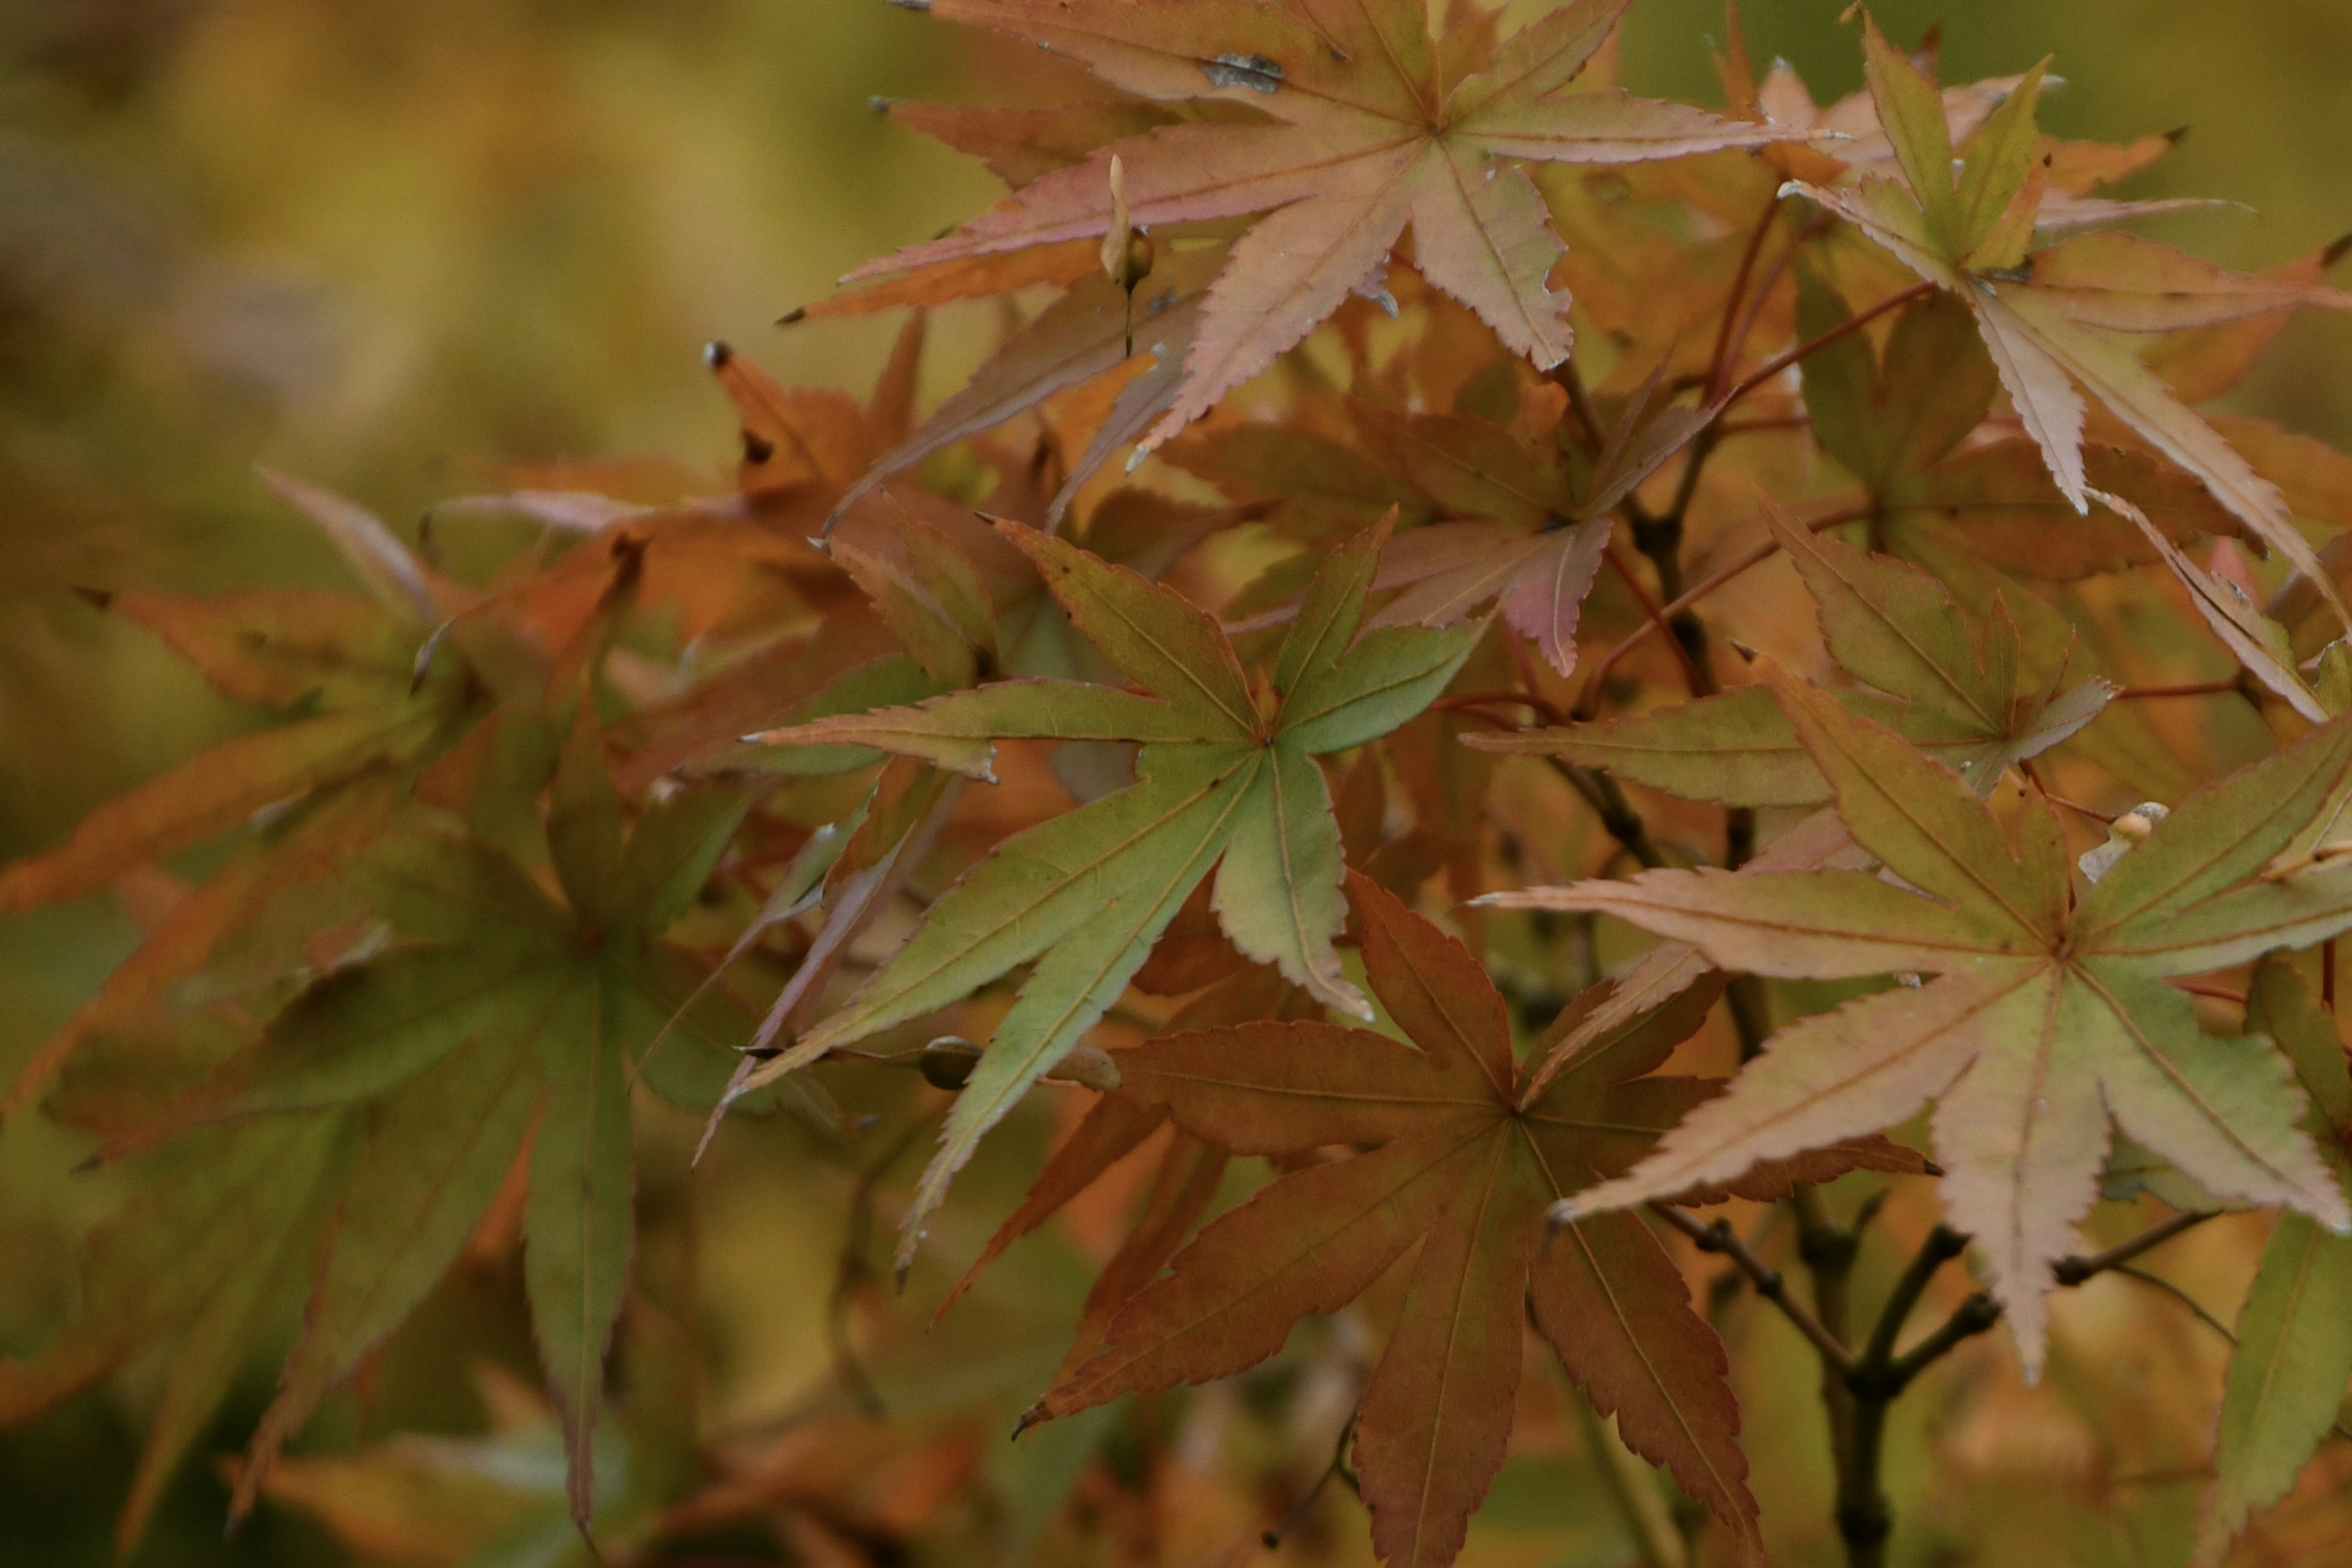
x=1458 y=1164
x=1358 y=123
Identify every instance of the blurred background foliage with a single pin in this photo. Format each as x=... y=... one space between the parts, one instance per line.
x=409 y=250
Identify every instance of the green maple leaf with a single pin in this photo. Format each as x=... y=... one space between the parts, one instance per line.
x=407 y=1086
x=1977 y=701
x=1897 y=421
x=1225 y=780
x=2048 y=1017
x=1968 y=226
x=2294 y=1355
x=347 y=663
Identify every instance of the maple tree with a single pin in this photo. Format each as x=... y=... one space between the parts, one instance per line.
x=1528 y=727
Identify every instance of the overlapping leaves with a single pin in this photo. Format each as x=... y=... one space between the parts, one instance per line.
x=1967 y=225
x=1353 y=123
x=380 y=1112
x=2294 y=1355
x=1978 y=702
x=1454 y=1162
x=2049 y=1016
x=1225 y=780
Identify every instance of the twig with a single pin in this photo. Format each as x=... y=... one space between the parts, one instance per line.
x=1814 y=345
x=1548 y=712
x=1943 y=1245
x=1721 y=1239
x=1589 y=702
x=2186 y=688
x=1272 y=1539
x=1598 y=791
x=1701 y=684
x=1719 y=363
x=1656 y=1544
x=1973 y=1317
x=2075 y=1270
x=2196 y=1308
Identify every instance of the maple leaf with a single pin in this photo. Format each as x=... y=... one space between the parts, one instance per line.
x=1363 y=124
x=1541 y=545
x=2048 y=1017
x=208 y=1249
x=1454 y=1163
x=2294 y=1353
x=1090 y=330
x=1225 y=780
x=1849 y=136
x=501 y=1016
x=446 y=1502
x=2041 y=314
x=1898 y=421
x=1978 y=702
x=351 y=660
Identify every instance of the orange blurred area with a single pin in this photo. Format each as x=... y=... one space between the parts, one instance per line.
x=411 y=251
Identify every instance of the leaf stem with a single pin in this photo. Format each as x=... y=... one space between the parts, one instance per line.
x=1701 y=683
x=2075 y=1270
x=1589 y=703
x=2187 y=689
x=1814 y=345
x=1734 y=314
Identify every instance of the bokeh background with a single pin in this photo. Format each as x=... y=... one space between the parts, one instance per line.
x=401 y=249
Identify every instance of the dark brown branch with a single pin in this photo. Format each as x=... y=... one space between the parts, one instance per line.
x=2075 y=1270
x=1973 y=1317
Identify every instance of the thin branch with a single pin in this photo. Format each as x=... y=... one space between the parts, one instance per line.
x=1812 y=346
x=1589 y=702
x=1631 y=1485
x=1297 y=1514
x=1548 y=712
x=1943 y=1245
x=2187 y=689
x=1719 y=363
x=2075 y=1270
x=1973 y=1317
x=1598 y=791
x=2196 y=1308
x=853 y=1270
x=1764 y=422
x=1787 y=258
x=1701 y=684
x=1721 y=1239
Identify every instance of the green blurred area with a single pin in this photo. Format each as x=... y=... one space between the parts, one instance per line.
x=398 y=250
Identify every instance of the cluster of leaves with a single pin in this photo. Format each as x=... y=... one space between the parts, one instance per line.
x=1921 y=576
